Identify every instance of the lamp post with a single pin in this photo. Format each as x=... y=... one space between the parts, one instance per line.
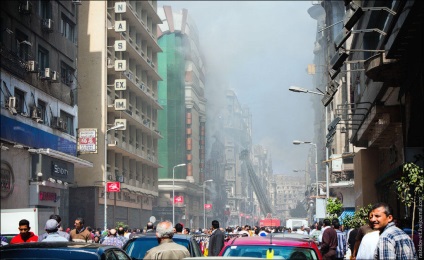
x=204 y=202
x=296 y=142
x=303 y=90
x=327 y=177
x=173 y=191
x=105 y=174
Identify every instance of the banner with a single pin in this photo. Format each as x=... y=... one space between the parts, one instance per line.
x=208 y=206
x=87 y=140
x=179 y=199
x=114 y=186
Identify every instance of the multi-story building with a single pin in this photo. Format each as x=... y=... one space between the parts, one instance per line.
x=39 y=108
x=373 y=81
x=290 y=191
x=117 y=85
x=182 y=120
x=337 y=151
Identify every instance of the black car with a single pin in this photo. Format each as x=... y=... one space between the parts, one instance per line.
x=137 y=246
x=62 y=250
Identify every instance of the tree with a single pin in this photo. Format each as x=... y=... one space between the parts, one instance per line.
x=334 y=208
x=121 y=224
x=410 y=187
x=359 y=218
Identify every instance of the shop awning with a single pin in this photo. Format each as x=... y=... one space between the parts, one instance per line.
x=346 y=212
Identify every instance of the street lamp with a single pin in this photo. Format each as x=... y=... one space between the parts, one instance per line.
x=304 y=90
x=296 y=142
x=173 y=191
x=204 y=202
x=105 y=175
x=327 y=177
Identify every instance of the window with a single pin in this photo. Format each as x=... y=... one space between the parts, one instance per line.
x=66 y=74
x=68 y=120
x=43 y=58
x=44 y=9
x=42 y=110
x=67 y=28
x=20 y=101
x=23 y=46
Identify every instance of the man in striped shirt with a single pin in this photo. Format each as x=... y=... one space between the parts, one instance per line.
x=341 y=240
x=393 y=243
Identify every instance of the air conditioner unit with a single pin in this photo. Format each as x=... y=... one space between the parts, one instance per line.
x=57 y=122
x=64 y=126
x=31 y=66
x=36 y=113
x=48 y=25
x=25 y=7
x=12 y=102
x=47 y=73
x=53 y=75
x=120 y=178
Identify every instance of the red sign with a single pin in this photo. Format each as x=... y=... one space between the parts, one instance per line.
x=47 y=196
x=179 y=199
x=114 y=186
x=241 y=214
x=208 y=206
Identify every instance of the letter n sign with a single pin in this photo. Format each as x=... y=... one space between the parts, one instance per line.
x=120 y=7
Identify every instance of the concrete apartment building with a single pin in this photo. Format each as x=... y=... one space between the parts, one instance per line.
x=290 y=190
x=371 y=66
x=117 y=84
x=182 y=121
x=39 y=105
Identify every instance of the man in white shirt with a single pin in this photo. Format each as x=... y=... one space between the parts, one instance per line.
x=368 y=244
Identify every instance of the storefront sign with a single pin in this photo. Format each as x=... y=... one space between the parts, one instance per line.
x=179 y=199
x=87 y=140
x=47 y=196
x=113 y=186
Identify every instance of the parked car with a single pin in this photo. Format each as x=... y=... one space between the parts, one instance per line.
x=137 y=246
x=295 y=235
x=271 y=248
x=62 y=250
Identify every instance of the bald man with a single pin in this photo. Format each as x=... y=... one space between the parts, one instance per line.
x=167 y=248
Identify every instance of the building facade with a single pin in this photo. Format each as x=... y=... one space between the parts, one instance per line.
x=372 y=71
x=182 y=120
x=118 y=77
x=39 y=109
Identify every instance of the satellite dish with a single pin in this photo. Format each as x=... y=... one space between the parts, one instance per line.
x=152 y=219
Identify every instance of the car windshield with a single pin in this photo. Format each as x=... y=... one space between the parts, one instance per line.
x=138 y=248
x=273 y=252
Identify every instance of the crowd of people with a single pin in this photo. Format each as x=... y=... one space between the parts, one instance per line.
x=380 y=238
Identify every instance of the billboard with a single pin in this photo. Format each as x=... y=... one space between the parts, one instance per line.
x=87 y=140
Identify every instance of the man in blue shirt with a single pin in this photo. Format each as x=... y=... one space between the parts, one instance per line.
x=393 y=242
x=341 y=240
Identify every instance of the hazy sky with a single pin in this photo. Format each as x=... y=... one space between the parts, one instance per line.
x=259 y=49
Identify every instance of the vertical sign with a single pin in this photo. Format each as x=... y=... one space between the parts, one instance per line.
x=87 y=140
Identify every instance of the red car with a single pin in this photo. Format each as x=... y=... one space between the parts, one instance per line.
x=271 y=248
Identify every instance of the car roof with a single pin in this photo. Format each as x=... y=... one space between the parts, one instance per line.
x=258 y=240
x=286 y=235
x=153 y=236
